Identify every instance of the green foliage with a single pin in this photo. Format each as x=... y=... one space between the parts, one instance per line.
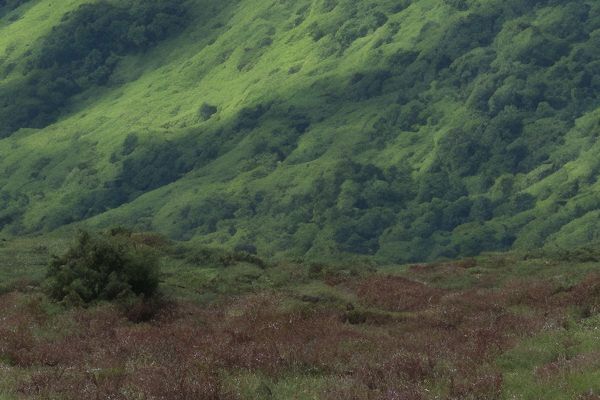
x=82 y=52
x=397 y=130
x=103 y=267
x=153 y=166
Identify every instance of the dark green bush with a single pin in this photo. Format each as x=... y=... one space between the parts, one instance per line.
x=206 y=111
x=247 y=248
x=152 y=166
x=103 y=267
x=129 y=144
x=460 y=5
x=249 y=117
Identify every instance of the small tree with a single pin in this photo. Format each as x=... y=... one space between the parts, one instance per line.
x=206 y=111
x=103 y=267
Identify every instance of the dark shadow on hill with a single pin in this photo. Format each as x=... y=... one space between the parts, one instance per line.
x=7 y=6
x=82 y=52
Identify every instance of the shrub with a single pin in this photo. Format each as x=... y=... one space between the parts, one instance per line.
x=394 y=293
x=247 y=248
x=249 y=117
x=206 y=111
x=103 y=267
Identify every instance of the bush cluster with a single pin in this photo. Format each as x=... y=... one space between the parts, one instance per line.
x=103 y=267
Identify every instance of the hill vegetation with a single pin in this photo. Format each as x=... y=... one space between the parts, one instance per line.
x=396 y=130
x=81 y=52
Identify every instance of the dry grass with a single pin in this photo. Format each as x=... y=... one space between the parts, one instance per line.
x=444 y=344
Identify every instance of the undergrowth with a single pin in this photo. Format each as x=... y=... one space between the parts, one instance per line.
x=316 y=331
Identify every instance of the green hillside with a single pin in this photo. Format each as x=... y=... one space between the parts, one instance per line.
x=400 y=130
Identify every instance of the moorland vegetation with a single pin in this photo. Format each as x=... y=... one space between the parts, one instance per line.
x=228 y=326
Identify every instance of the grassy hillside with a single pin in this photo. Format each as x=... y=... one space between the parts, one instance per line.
x=500 y=326
x=399 y=130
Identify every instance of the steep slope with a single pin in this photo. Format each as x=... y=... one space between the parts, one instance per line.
x=401 y=130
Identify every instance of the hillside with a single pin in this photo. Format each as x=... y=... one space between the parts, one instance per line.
x=399 y=130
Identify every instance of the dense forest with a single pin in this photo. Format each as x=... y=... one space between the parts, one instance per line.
x=396 y=130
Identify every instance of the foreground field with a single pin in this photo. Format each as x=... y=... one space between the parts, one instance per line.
x=503 y=326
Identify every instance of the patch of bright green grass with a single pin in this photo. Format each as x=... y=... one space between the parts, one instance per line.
x=560 y=364
x=23 y=261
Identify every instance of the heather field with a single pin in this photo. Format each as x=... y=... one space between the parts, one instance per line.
x=501 y=326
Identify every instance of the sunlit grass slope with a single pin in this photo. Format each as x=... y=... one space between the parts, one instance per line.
x=399 y=130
